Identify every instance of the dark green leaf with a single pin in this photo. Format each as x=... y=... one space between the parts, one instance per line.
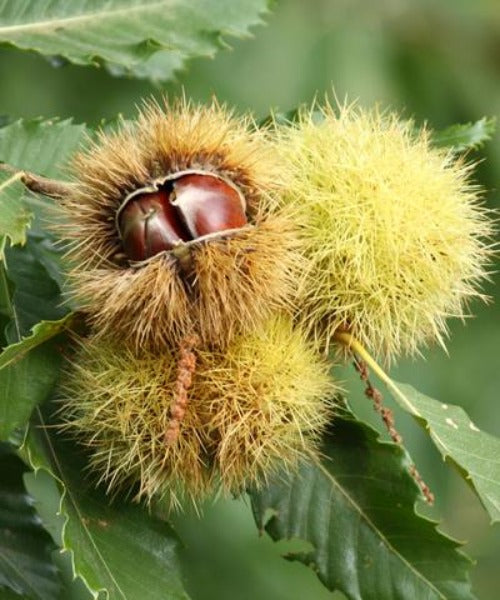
x=466 y=136
x=26 y=378
x=44 y=490
x=26 y=566
x=143 y=38
x=357 y=510
x=46 y=252
x=474 y=453
x=36 y=296
x=116 y=546
x=25 y=384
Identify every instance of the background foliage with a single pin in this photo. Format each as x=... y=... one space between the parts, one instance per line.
x=438 y=61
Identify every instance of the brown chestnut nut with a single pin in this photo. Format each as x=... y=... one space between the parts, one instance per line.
x=149 y=224
x=207 y=204
x=183 y=209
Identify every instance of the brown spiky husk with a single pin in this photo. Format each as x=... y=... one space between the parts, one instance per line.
x=233 y=283
x=250 y=409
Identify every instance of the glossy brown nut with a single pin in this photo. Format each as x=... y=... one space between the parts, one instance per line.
x=208 y=204
x=184 y=209
x=149 y=224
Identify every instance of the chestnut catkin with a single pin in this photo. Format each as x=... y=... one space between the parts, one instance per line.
x=170 y=220
x=258 y=405
x=393 y=230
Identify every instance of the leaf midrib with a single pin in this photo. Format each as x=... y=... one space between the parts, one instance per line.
x=71 y=21
x=67 y=491
x=371 y=524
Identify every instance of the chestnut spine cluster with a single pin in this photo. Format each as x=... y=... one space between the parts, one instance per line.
x=216 y=263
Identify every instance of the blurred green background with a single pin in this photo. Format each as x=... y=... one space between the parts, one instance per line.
x=434 y=60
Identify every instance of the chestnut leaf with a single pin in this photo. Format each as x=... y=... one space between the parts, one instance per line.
x=26 y=565
x=474 y=453
x=357 y=509
x=139 y=38
x=41 y=146
x=15 y=218
x=117 y=548
x=28 y=373
x=466 y=136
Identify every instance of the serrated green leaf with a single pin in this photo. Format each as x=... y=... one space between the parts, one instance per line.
x=28 y=368
x=14 y=216
x=27 y=378
x=42 y=147
x=46 y=251
x=116 y=547
x=473 y=452
x=36 y=296
x=28 y=373
x=41 y=332
x=26 y=567
x=36 y=271
x=465 y=136
x=142 y=38
x=25 y=384
x=46 y=497
x=356 y=508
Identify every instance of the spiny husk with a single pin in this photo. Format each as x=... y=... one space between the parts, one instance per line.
x=235 y=284
x=393 y=228
x=265 y=403
x=257 y=406
x=117 y=404
x=131 y=296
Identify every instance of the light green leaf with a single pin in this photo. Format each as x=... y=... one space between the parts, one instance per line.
x=26 y=566
x=474 y=453
x=28 y=373
x=42 y=147
x=357 y=510
x=41 y=332
x=14 y=217
x=142 y=38
x=466 y=136
x=116 y=547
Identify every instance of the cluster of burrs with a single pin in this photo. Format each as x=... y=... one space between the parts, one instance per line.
x=216 y=262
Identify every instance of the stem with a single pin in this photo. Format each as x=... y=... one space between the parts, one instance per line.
x=350 y=342
x=52 y=188
x=362 y=359
x=11 y=180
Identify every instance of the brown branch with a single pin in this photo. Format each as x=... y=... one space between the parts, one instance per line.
x=185 y=371
x=52 y=188
x=388 y=418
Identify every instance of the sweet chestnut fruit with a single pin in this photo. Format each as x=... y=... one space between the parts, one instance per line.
x=183 y=209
